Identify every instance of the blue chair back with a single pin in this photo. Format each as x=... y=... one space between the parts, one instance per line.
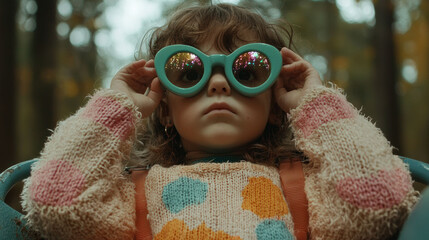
x=416 y=227
x=12 y=223
x=419 y=170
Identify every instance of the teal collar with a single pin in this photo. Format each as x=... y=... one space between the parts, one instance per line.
x=219 y=159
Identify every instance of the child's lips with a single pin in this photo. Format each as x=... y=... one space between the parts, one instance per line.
x=219 y=107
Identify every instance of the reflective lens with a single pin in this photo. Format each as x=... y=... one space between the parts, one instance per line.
x=184 y=69
x=251 y=68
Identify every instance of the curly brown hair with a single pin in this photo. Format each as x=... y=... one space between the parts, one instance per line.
x=227 y=23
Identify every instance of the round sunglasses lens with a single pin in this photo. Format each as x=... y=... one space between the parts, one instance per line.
x=184 y=69
x=251 y=68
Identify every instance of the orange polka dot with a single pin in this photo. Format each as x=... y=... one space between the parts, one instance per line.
x=263 y=198
x=177 y=229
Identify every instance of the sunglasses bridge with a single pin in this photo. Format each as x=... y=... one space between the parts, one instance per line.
x=217 y=59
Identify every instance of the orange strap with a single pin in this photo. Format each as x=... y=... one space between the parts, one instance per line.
x=292 y=179
x=142 y=224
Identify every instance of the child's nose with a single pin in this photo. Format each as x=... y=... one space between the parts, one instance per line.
x=218 y=84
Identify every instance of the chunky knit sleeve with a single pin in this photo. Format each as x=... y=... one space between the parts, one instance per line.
x=356 y=187
x=77 y=190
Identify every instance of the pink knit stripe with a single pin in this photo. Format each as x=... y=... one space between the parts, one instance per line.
x=110 y=113
x=380 y=191
x=57 y=183
x=321 y=110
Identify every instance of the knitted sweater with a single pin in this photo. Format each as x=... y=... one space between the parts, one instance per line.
x=356 y=187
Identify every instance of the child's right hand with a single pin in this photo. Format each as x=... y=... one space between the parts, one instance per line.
x=134 y=80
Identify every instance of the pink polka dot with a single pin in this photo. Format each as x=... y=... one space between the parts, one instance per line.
x=321 y=110
x=57 y=183
x=383 y=190
x=110 y=113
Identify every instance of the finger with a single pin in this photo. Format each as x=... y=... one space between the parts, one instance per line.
x=156 y=92
x=146 y=72
x=136 y=65
x=289 y=56
x=287 y=100
x=150 y=70
x=145 y=75
x=292 y=81
x=286 y=59
x=293 y=69
x=295 y=66
x=313 y=80
x=138 y=86
x=280 y=93
x=150 y=63
x=279 y=89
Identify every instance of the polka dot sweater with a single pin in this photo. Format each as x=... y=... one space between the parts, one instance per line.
x=217 y=201
x=356 y=187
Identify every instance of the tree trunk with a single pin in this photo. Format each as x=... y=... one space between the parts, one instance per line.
x=388 y=117
x=8 y=83
x=44 y=70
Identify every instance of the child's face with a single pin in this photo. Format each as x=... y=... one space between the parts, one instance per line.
x=218 y=119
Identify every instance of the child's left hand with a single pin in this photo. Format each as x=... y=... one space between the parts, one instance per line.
x=296 y=76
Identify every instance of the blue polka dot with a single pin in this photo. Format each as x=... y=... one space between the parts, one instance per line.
x=183 y=192
x=273 y=230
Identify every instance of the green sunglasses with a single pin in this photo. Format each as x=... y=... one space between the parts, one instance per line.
x=185 y=70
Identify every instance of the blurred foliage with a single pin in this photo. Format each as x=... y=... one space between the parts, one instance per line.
x=343 y=51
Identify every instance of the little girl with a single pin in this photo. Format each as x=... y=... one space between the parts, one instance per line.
x=207 y=117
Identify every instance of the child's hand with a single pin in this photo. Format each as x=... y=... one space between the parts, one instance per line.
x=134 y=80
x=296 y=76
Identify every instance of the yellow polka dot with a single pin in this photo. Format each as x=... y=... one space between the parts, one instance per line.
x=263 y=198
x=177 y=229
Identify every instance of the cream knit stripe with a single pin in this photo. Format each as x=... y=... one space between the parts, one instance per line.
x=348 y=157
x=77 y=190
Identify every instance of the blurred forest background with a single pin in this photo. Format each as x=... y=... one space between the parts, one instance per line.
x=53 y=53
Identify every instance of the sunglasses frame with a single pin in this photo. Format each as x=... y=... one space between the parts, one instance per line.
x=226 y=61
